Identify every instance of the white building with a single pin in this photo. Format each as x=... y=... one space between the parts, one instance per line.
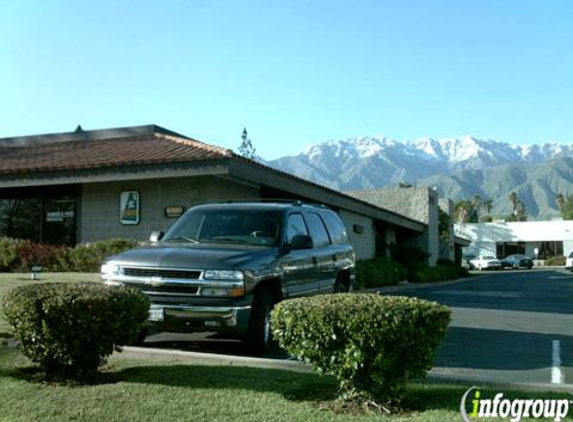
x=550 y=238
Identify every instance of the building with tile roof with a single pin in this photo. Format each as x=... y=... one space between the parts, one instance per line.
x=74 y=187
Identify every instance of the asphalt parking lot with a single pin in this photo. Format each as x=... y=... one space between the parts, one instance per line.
x=508 y=326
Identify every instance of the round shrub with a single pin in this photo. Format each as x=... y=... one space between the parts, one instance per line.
x=70 y=329
x=372 y=344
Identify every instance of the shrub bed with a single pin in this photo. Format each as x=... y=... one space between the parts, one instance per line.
x=21 y=255
x=9 y=253
x=372 y=344
x=378 y=272
x=70 y=329
x=89 y=257
x=437 y=273
x=555 y=261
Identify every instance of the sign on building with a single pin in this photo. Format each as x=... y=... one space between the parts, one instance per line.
x=130 y=207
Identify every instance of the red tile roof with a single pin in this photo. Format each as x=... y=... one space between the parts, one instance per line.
x=113 y=152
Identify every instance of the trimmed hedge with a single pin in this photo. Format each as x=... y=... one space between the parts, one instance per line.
x=372 y=344
x=70 y=329
x=378 y=272
x=20 y=255
x=437 y=273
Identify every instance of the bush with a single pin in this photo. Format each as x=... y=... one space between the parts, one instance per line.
x=89 y=257
x=9 y=253
x=33 y=254
x=437 y=273
x=378 y=272
x=372 y=344
x=445 y=262
x=70 y=329
x=21 y=255
x=409 y=256
x=555 y=261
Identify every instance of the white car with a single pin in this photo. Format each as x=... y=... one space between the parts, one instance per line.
x=486 y=262
x=569 y=261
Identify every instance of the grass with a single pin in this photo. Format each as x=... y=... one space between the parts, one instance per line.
x=174 y=390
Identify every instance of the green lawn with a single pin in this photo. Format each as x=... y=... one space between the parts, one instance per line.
x=172 y=390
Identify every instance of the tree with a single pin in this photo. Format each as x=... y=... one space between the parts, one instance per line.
x=246 y=148
x=487 y=206
x=519 y=213
x=444 y=222
x=565 y=204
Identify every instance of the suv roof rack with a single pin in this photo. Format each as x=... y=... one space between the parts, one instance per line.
x=270 y=200
x=295 y=202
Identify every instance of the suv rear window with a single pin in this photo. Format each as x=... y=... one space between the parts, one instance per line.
x=317 y=230
x=336 y=228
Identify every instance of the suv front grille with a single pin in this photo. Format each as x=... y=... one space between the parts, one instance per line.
x=157 y=272
x=166 y=289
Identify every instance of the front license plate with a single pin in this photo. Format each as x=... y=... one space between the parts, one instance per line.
x=156 y=314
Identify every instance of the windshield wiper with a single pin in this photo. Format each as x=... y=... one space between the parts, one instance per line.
x=181 y=239
x=223 y=239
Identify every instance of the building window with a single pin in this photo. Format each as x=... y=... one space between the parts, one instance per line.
x=46 y=215
x=504 y=249
x=549 y=249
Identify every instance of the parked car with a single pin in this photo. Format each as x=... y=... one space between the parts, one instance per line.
x=569 y=261
x=467 y=261
x=517 y=261
x=222 y=267
x=486 y=262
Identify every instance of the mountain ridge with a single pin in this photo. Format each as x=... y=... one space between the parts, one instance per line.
x=459 y=168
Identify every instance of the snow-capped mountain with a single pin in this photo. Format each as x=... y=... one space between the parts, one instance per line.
x=456 y=166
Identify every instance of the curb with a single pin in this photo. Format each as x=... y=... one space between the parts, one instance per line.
x=200 y=358
x=299 y=367
x=413 y=286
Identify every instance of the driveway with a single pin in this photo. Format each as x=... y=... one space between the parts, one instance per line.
x=508 y=326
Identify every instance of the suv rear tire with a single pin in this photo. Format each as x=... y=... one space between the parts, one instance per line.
x=258 y=337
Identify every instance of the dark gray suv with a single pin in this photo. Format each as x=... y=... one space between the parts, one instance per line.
x=222 y=267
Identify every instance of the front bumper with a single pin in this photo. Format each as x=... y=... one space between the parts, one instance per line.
x=185 y=318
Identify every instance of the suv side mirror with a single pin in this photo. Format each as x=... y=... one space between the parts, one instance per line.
x=301 y=241
x=156 y=236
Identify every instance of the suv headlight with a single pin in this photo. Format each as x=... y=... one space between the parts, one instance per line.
x=223 y=275
x=110 y=270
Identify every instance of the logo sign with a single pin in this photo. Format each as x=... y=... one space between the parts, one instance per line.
x=130 y=207
x=513 y=410
x=174 y=211
x=58 y=216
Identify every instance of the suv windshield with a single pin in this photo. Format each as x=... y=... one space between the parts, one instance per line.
x=253 y=227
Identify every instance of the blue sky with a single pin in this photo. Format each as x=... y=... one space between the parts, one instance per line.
x=293 y=72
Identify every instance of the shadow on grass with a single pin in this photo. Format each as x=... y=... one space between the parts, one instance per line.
x=293 y=386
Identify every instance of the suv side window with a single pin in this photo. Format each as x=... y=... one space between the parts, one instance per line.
x=336 y=228
x=317 y=230
x=295 y=226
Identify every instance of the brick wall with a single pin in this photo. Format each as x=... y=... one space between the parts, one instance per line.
x=100 y=209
